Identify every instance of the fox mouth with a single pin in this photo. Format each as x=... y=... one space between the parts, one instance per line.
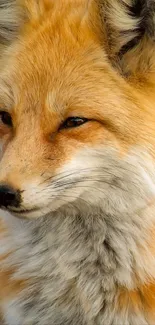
x=22 y=211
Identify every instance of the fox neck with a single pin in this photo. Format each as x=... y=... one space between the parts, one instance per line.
x=81 y=256
x=116 y=246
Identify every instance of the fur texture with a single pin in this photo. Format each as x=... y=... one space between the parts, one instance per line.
x=92 y=250
x=130 y=29
x=11 y=19
x=80 y=248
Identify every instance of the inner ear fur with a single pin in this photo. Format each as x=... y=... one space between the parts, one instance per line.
x=129 y=26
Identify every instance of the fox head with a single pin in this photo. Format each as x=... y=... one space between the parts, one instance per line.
x=77 y=93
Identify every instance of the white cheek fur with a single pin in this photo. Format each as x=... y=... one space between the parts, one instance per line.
x=98 y=177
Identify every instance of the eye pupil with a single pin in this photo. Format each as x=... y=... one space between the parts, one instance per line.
x=6 y=118
x=73 y=122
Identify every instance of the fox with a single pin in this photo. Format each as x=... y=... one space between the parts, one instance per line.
x=77 y=162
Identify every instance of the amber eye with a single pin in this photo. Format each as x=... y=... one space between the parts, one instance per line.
x=6 y=118
x=73 y=122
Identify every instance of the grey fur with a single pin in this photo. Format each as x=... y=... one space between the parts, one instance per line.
x=77 y=256
x=147 y=13
x=11 y=20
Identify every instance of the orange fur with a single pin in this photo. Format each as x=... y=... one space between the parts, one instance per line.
x=135 y=301
x=10 y=287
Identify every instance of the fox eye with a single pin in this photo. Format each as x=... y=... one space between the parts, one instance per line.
x=6 y=118
x=73 y=122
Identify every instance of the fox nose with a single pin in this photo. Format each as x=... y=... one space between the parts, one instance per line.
x=9 y=196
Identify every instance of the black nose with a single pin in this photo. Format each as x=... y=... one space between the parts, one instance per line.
x=9 y=196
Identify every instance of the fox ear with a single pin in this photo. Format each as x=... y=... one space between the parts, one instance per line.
x=130 y=29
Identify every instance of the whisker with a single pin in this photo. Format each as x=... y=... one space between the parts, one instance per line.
x=70 y=196
x=64 y=175
x=76 y=182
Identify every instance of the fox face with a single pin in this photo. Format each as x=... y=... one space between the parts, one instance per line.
x=73 y=107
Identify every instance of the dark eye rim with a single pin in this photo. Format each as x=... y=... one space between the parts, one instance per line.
x=76 y=120
x=6 y=118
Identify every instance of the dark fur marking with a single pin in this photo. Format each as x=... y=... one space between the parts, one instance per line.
x=145 y=10
x=130 y=45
